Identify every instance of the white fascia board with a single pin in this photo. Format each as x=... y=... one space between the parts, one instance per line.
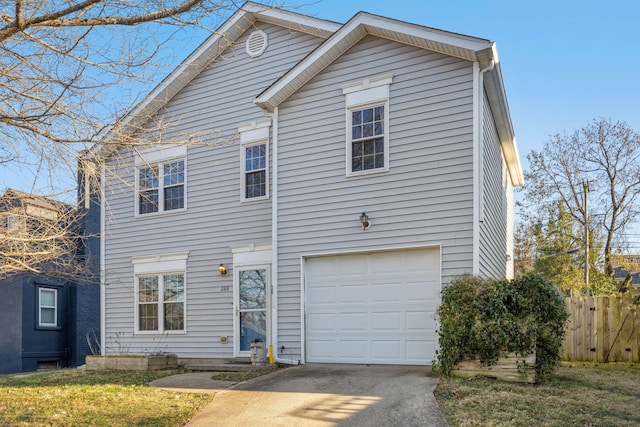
x=467 y=43
x=497 y=97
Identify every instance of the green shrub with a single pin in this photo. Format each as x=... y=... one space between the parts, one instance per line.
x=482 y=318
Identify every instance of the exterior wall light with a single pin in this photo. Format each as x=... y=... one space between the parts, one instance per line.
x=364 y=220
x=222 y=269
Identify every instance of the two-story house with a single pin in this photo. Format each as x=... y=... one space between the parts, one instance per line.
x=310 y=184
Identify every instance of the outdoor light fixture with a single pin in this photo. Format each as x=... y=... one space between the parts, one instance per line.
x=364 y=220
x=222 y=269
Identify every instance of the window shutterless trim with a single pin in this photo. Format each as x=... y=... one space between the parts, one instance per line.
x=254 y=134
x=161 y=186
x=54 y=307
x=363 y=95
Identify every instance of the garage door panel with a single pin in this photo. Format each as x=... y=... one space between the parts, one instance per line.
x=352 y=322
x=386 y=292
x=322 y=322
x=386 y=321
x=386 y=351
x=352 y=293
x=373 y=308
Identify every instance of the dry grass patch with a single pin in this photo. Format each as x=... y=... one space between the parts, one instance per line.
x=574 y=395
x=106 y=398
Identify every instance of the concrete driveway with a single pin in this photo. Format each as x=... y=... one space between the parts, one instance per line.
x=328 y=395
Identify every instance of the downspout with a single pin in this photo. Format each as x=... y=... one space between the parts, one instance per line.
x=274 y=236
x=103 y=318
x=479 y=161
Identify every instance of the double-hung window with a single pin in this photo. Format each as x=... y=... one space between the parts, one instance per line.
x=161 y=186
x=160 y=292
x=254 y=154
x=161 y=302
x=367 y=106
x=47 y=307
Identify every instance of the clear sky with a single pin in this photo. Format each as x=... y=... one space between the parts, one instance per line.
x=564 y=62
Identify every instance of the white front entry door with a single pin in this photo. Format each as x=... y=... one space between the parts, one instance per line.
x=374 y=307
x=252 y=288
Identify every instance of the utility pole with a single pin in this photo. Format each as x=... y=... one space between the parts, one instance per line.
x=586 y=233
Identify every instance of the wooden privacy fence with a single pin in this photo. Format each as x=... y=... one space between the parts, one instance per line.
x=603 y=329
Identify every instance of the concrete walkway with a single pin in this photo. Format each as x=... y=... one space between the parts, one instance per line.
x=320 y=395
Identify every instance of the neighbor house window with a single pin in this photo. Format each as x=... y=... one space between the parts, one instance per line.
x=47 y=307
x=161 y=187
x=254 y=146
x=367 y=111
x=160 y=293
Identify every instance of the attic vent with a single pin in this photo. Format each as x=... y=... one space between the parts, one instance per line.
x=256 y=43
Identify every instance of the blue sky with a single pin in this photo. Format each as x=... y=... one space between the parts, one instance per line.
x=564 y=62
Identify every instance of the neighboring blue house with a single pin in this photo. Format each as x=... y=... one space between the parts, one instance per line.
x=46 y=319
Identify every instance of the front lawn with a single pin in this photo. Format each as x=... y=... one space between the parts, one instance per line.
x=575 y=395
x=106 y=398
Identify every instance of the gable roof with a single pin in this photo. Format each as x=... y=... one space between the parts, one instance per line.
x=460 y=46
x=339 y=38
x=205 y=54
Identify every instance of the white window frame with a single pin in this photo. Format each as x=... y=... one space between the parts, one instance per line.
x=41 y=306
x=160 y=266
x=159 y=157
x=251 y=135
x=361 y=95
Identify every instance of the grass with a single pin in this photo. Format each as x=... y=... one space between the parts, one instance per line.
x=575 y=395
x=107 y=398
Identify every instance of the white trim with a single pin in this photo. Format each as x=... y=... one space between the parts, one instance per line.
x=274 y=237
x=253 y=134
x=257 y=130
x=363 y=94
x=237 y=267
x=477 y=129
x=103 y=245
x=159 y=265
x=366 y=84
x=54 y=306
x=303 y=285
x=157 y=153
x=254 y=253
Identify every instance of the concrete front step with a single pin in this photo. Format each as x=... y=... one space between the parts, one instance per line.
x=224 y=367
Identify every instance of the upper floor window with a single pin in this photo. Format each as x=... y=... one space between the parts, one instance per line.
x=367 y=104
x=47 y=307
x=161 y=187
x=255 y=171
x=254 y=146
x=367 y=139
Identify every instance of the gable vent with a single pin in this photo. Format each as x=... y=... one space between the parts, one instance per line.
x=256 y=43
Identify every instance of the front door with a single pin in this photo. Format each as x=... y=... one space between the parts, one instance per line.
x=252 y=300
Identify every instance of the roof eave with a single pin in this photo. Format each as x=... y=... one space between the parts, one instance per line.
x=197 y=61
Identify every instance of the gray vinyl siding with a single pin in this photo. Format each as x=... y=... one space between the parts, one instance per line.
x=210 y=107
x=494 y=239
x=426 y=197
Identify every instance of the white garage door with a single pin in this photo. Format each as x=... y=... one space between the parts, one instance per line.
x=376 y=308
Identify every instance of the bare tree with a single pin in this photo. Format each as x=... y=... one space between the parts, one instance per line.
x=605 y=154
x=69 y=71
x=61 y=60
